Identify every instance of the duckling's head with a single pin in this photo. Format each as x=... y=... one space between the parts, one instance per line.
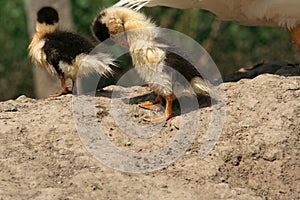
x=115 y=22
x=47 y=20
x=99 y=27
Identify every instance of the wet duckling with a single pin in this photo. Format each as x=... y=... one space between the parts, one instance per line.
x=165 y=72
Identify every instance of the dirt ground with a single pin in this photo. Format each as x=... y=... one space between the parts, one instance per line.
x=255 y=157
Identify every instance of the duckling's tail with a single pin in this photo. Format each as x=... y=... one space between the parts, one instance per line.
x=200 y=86
x=99 y=62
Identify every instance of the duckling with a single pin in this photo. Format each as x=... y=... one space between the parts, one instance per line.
x=64 y=54
x=160 y=68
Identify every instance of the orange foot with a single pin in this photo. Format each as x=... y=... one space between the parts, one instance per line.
x=157 y=119
x=168 y=112
x=151 y=104
x=63 y=91
x=64 y=87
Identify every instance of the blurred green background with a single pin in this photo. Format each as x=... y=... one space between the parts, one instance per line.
x=231 y=46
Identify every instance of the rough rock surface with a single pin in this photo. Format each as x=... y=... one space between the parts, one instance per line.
x=255 y=157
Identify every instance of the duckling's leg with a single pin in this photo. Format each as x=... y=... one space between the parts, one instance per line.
x=295 y=35
x=151 y=104
x=64 y=89
x=168 y=112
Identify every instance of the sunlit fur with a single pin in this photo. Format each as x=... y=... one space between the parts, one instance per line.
x=36 y=52
x=62 y=53
x=150 y=61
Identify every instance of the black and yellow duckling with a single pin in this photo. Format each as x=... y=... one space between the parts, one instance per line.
x=157 y=66
x=65 y=54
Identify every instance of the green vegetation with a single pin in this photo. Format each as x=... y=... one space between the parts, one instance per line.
x=230 y=45
x=15 y=67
